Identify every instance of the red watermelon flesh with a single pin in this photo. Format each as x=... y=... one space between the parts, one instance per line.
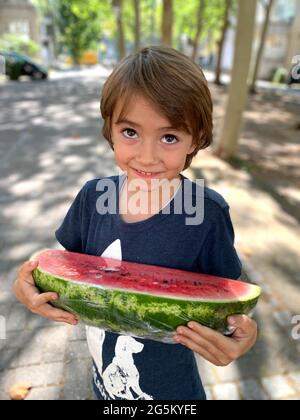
x=142 y=278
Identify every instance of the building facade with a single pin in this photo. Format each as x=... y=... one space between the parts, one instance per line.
x=19 y=17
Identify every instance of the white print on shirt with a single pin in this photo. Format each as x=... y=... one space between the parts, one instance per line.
x=114 y=251
x=121 y=377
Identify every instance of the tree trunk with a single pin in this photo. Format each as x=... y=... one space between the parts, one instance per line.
x=137 y=25
x=118 y=8
x=226 y=22
x=167 y=22
x=238 y=89
x=260 y=51
x=200 y=20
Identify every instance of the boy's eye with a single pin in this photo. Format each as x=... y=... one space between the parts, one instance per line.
x=170 y=139
x=129 y=133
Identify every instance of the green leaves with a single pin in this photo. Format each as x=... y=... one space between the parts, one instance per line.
x=18 y=44
x=82 y=23
x=79 y=25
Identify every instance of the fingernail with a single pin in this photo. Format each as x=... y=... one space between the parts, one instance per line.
x=176 y=338
x=179 y=330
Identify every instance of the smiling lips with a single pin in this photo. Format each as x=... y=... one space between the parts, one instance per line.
x=147 y=174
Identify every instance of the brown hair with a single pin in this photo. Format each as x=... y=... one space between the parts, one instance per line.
x=172 y=82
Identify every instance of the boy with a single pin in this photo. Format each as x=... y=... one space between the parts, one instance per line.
x=157 y=113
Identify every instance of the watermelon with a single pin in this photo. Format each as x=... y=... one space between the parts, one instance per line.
x=137 y=299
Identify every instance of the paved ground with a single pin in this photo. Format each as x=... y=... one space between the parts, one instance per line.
x=50 y=145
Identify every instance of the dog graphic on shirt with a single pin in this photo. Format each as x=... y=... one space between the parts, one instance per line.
x=121 y=377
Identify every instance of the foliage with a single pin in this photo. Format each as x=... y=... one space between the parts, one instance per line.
x=79 y=26
x=186 y=15
x=82 y=23
x=17 y=43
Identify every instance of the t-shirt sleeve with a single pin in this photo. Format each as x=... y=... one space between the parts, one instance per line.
x=218 y=256
x=69 y=234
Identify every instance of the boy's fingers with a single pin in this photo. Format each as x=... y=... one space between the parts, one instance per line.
x=27 y=268
x=198 y=340
x=58 y=315
x=212 y=336
x=218 y=361
x=41 y=299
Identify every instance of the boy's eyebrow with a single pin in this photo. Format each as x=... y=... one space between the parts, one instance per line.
x=125 y=121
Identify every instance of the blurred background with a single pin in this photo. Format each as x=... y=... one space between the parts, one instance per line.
x=55 y=56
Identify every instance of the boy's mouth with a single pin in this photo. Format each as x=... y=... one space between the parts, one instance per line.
x=146 y=174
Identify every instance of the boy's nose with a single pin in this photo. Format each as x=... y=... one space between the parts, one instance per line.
x=147 y=155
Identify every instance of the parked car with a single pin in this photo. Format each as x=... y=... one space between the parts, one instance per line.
x=17 y=65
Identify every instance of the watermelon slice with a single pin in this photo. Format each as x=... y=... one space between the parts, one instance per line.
x=137 y=299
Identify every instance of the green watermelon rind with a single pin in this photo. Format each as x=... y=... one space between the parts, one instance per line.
x=143 y=315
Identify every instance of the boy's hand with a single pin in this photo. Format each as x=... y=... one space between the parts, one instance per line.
x=28 y=294
x=215 y=347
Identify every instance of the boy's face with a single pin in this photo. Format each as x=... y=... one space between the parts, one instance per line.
x=145 y=141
